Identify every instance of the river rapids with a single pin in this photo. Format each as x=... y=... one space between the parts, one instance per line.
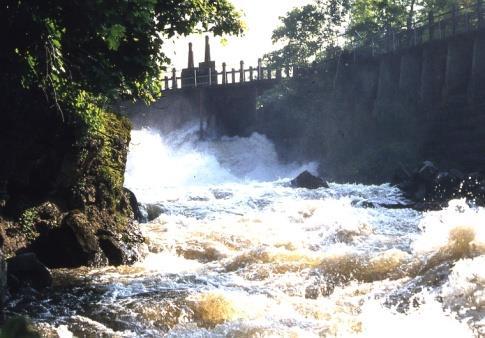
x=237 y=252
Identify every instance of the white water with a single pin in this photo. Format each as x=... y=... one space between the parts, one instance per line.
x=238 y=253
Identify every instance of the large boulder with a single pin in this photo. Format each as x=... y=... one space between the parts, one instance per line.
x=133 y=202
x=26 y=270
x=88 y=238
x=308 y=181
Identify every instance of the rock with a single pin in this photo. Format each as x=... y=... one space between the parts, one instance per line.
x=133 y=201
x=363 y=204
x=153 y=211
x=19 y=327
x=26 y=270
x=308 y=181
x=112 y=249
x=74 y=244
x=427 y=173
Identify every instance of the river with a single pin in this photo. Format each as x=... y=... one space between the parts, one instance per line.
x=237 y=252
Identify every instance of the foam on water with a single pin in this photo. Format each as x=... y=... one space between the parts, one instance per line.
x=237 y=252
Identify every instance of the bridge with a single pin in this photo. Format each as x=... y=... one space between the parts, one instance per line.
x=225 y=99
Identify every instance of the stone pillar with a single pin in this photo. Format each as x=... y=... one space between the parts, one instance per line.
x=207 y=68
x=207 y=54
x=190 y=63
x=189 y=74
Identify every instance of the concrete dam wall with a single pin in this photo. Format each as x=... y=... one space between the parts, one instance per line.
x=422 y=102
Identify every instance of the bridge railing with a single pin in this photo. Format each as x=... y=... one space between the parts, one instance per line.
x=435 y=27
x=192 y=78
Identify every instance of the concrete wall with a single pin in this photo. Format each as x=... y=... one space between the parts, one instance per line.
x=223 y=110
x=424 y=102
x=431 y=97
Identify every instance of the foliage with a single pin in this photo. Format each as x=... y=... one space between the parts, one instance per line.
x=316 y=30
x=306 y=32
x=77 y=49
x=27 y=221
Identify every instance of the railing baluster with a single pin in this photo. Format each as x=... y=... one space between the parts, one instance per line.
x=233 y=75
x=241 y=72
x=224 y=73
x=174 y=79
x=251 y=70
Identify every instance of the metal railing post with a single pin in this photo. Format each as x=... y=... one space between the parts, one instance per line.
x=241 y=72
x=165 y=80
x=195 y=77
x=224 y=73
x=174 y=79
x=233 y=75
x=260 y=69
x=210 y=76
x=251 y=78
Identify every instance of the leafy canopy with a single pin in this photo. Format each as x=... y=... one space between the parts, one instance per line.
x=98 y=50
x=307 y=33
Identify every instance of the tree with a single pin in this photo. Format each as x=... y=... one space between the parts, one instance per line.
x=306 y=32
x=99 y=49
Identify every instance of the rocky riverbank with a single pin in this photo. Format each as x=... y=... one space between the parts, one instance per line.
x=82 y=217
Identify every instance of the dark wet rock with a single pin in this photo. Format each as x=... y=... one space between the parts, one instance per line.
x=73 y=244
x=133 y=201
x=153 y=211
x=112 y=249
x=221 y=195
x=428 y=171
x=90 y=239
x=369 y=204
x=431 y=188
x=362 y=204
x=26 y=270
x=19 y=327
x=308 y=181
